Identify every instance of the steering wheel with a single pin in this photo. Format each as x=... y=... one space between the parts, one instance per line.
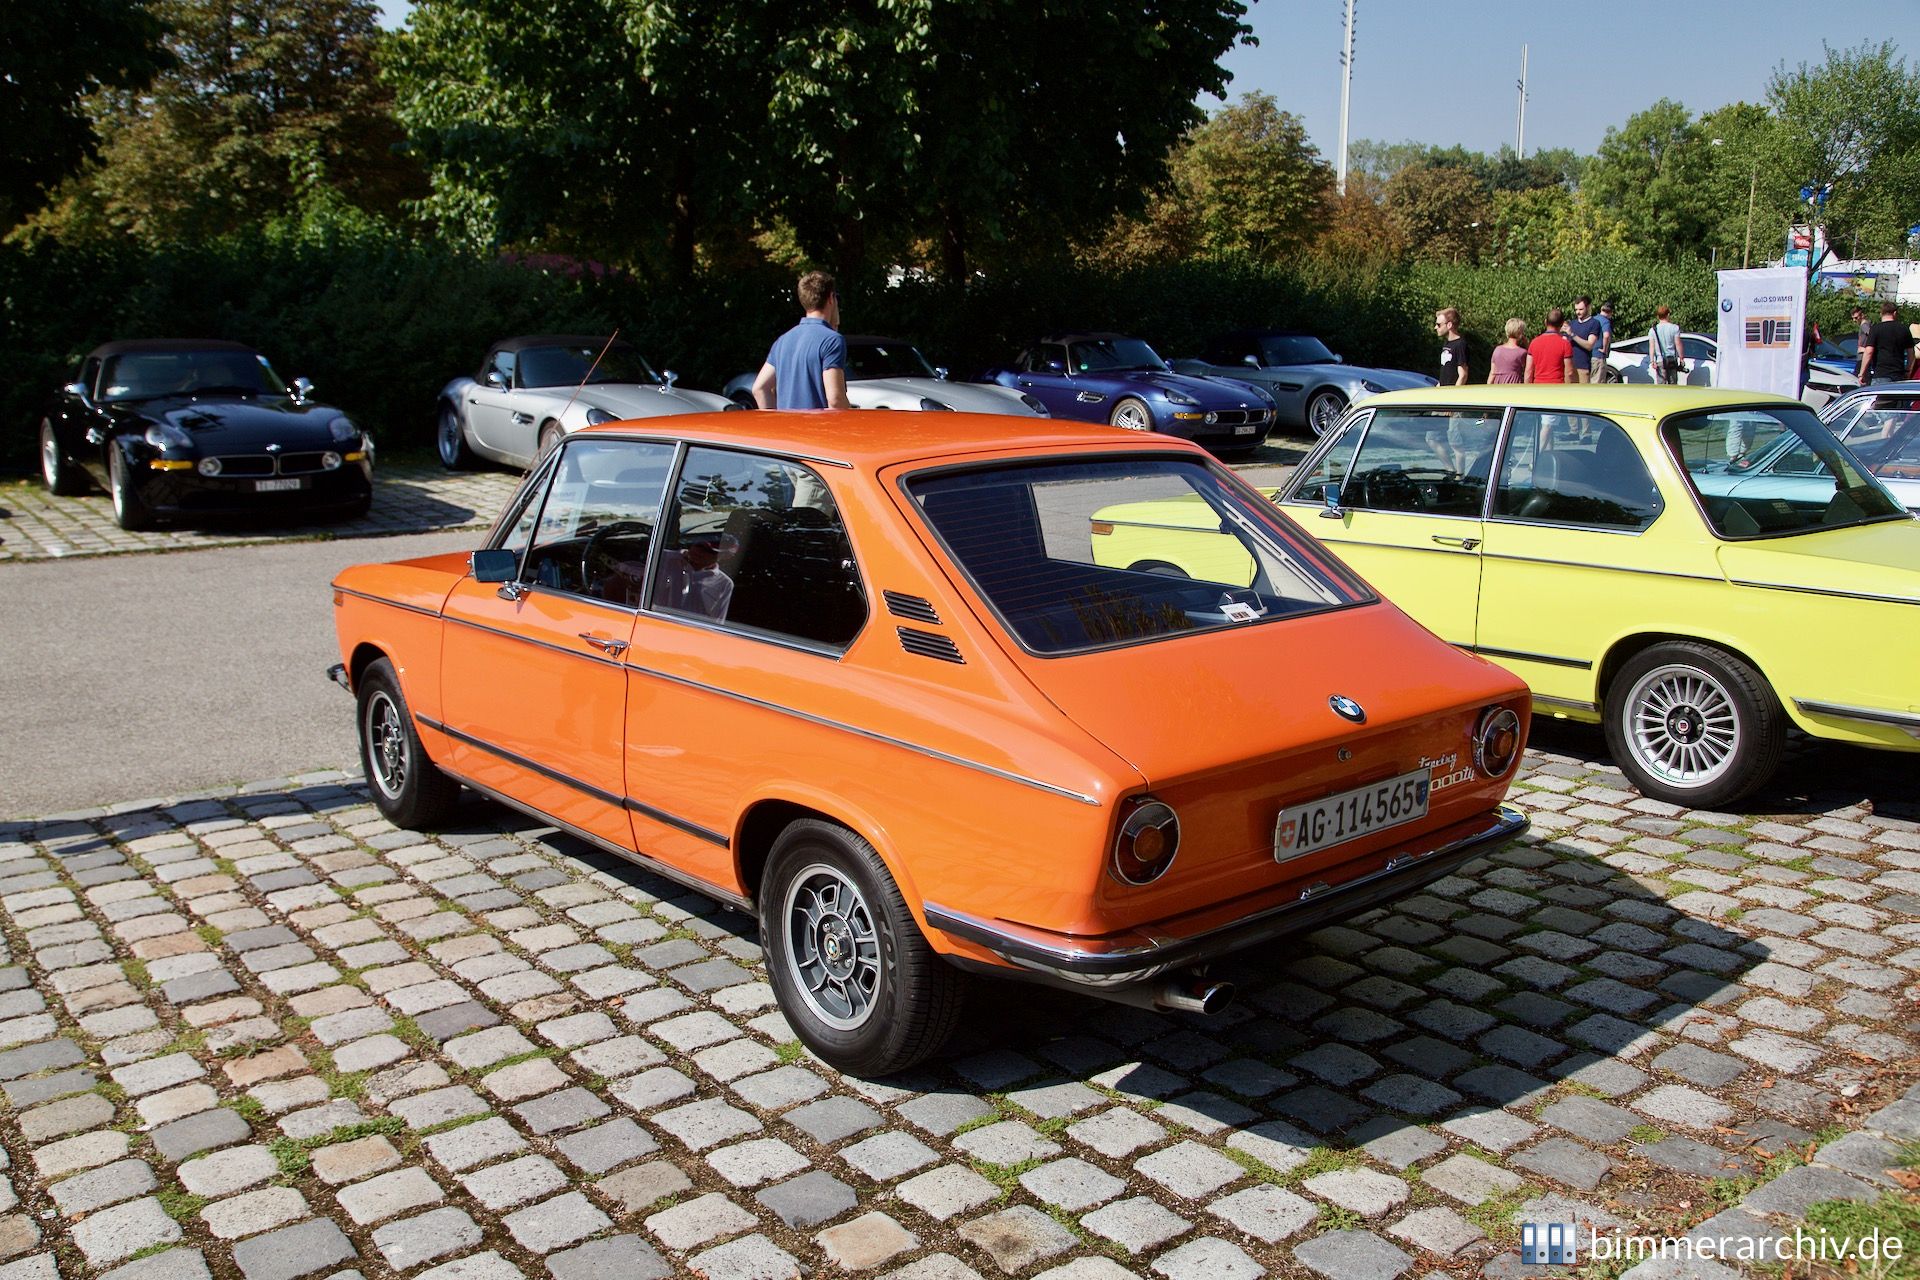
x=1390 y=490
x=615 y=529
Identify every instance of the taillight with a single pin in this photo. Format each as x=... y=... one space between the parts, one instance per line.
x=1148 y=840
x=1496 y=741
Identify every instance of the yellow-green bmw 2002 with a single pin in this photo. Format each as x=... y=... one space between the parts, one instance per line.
x=1618 y=548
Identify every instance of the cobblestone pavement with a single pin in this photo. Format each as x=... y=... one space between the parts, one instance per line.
x=264 y=1034
x=408 y=497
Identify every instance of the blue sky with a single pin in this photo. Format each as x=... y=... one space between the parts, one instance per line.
x=1444 y=73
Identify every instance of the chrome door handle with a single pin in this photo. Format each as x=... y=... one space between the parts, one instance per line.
x=1465 y=544
x=523 y=417
x=605 y=645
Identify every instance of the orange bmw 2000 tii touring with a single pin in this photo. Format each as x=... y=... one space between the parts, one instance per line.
x=862 y=675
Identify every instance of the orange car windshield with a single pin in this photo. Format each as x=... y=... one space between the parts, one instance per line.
x=1086 y=554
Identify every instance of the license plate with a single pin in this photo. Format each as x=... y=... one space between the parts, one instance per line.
x=1335 y=819
x=1245 y=431
x=269 y=486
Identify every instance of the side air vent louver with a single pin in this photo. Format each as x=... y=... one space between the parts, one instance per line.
x=901 y=605
x=929 y=645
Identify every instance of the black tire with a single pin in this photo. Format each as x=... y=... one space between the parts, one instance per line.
x=406 y=786
x=60 y=477
x=549 y=440
x=130 y=510
x=896 y=1000
x=1323 y=411
x=1132 y=414
x=451 y=442
x=1694 y=725
x=744 y=399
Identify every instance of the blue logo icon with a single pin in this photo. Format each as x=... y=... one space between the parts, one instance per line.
x=1726 y=304
x=1547 y=1244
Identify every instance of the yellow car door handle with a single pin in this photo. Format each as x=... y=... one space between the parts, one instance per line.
x=1465 y=544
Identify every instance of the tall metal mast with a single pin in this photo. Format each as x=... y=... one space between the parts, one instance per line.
x=1520 y=134
x=1346 y=93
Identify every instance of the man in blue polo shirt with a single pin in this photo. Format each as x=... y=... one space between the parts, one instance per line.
x=807 y=368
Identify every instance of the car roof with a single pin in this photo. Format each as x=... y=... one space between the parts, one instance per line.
x=1078 y=336
x=131 y=345
x=868 y=439
x=1231 y=335
x=1881 y=388
x=1623 y=398
x=525 y=340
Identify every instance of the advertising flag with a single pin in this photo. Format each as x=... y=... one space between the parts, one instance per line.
x=1761 y=317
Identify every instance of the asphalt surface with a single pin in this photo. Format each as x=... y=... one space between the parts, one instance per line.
x=153 y=675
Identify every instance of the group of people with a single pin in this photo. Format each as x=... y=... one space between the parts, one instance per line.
x=1567 y=350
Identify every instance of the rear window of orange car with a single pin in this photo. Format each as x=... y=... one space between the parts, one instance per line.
x=1084 y=554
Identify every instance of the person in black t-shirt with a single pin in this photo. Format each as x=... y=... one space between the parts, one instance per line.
x=1453 y=347
x=1886 y=350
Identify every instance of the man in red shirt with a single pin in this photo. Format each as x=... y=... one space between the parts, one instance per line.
x=1550 y=356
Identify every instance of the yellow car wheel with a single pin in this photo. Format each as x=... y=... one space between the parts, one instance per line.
x=1694 y=725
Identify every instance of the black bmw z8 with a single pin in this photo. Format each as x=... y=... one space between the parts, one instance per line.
x=180 y=429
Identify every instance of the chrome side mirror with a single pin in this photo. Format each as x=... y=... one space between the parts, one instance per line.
x=941 y=372
x=76 y=389
x=1332 y=510
x=1251 y=361
x=496 y=380
x=669 y=377
x=302 y=388
x=497 y=565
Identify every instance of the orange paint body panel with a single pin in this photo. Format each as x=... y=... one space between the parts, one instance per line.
x=992 y=780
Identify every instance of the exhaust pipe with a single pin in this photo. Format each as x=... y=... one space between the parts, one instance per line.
x=1195 y=995
x=1191 y=993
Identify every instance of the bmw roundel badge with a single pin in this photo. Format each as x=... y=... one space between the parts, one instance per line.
x=1347 y=709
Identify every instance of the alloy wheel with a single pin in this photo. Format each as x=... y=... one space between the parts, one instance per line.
x=449 y=437
x=1133 y=417
x=386 y=744
x=833 y=946
x=1683 y=726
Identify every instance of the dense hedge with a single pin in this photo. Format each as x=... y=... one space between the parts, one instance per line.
x=380 y=324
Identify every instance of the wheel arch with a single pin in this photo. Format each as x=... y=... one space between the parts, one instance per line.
x=765 y=818
x=1628 y=647
x=365 y=654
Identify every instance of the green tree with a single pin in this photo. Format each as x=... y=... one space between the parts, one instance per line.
x=1443 y=212
x=1246 y=182
x=1652 y=171
x=53 y=57
x=1850 y=125
x=645 y=131
x=264 y=100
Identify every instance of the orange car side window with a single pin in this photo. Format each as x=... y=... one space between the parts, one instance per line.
x=757 y=542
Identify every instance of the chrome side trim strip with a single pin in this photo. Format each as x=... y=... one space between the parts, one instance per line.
x=1546 y=659
x=538 y=644
x=1152 y=954
x=1571 y=704
x=1395 y=546
x=1871 y=715
x=1609 y=568
x=725 y=896
x=1823 y=591
x=870 y=735
x=586 y=788
x=391 y=604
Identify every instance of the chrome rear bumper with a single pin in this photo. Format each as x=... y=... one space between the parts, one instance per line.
x=1147 y=951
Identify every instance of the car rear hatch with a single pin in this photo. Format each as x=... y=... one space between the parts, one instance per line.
x=1231 y=728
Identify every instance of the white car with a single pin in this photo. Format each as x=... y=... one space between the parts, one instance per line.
x=536 y=389
x=1699 y=355
x=883 y=373
x=1882 y=425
